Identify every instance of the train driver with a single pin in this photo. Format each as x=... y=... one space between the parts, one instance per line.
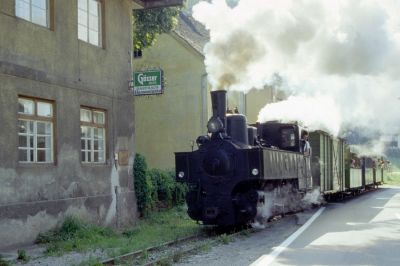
x=305 y=144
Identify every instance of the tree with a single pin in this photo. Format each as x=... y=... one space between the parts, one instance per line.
x=148 y=23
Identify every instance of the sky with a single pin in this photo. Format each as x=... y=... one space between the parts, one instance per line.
x=337 y=60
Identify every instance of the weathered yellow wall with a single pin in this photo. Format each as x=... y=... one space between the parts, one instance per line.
x=257 y=99
x=169 y=122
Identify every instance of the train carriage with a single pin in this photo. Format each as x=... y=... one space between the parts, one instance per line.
x=328 y=162
x=354 y=174
x=379 y=172
x=369 y=172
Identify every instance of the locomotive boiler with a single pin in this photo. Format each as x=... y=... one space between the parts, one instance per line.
x=236 y=164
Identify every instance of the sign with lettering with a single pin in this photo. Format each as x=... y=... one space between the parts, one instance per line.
x=147 y=82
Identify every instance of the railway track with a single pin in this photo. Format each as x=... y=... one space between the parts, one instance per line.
x=174 y=250
x=137 y=254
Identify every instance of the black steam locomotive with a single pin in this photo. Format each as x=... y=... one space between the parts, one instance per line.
x=236 y=163
x=238 y=166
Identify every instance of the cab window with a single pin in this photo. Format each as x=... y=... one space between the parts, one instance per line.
x=288 y=138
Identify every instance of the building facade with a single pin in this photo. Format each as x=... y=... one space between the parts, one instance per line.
x=171 y=122
x=66 y=115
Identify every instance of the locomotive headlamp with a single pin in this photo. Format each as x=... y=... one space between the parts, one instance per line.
x=181 y=174
x=214 y=125
x=254 y=171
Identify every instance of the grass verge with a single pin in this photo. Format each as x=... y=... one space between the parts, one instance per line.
x=153 y=230
x=392 y=178
x=4 y=262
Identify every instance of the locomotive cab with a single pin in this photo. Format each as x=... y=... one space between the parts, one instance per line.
x=284 y=136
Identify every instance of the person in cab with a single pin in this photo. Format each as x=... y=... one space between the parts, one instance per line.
x=305 y=144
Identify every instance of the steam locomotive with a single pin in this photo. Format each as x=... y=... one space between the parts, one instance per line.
x=236 y=164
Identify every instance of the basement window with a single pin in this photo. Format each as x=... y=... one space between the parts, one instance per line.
x=35 y=130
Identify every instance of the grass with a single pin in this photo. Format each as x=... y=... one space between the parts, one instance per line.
x=155 y=229
x=22 y=255
x=392 y=177
x=225 y=239
x=4 y=262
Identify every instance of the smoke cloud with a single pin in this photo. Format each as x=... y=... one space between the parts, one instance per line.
x=338 y=59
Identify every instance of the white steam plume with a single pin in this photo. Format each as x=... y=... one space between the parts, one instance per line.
x=337 y=58
x=372 y=148
x=304 y=109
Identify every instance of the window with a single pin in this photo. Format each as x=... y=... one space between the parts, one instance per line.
x=35 y=11
x=288 y=138
x=89 y=21
x=92 y=135
x=137 y=53
x=35 y=130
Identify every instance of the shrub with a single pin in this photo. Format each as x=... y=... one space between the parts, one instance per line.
x=143 y=186
x=69 y=229
x=4 y=262
x=168 y=191
x=225 y=239
x=156 y=187
x=179 y=193
x=22 y=255
x=163 y=184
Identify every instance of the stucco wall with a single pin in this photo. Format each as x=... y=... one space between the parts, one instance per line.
x=53 y=64
x=255 y=100
x=169 y=122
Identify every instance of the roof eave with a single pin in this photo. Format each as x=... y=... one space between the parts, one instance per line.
x=179 y=37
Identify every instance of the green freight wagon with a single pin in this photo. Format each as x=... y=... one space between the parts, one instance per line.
x=328 y=164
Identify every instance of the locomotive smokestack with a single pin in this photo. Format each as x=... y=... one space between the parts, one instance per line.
x=218 y=101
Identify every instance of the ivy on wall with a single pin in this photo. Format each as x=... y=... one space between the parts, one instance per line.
x=149 y=23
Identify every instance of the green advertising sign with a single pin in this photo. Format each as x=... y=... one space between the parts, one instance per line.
x=147 y=82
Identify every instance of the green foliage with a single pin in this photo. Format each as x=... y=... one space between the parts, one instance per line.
x=129 y=233
x=176 y=257
x=158 y=227
x=143 y=185
x=4 y=262
x=179 y=193
x=392 y=177
x=168 y=192
x=91 y=262
x=225 y=239
x=164 y=262
x=75 y=232
x=148 y=23
x=156 y=187
x=22 y=255
x=163 y=183
x=69 y=229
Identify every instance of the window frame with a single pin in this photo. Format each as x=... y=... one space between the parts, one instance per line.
x=36 y=118
x=101 y=23
x=283 y=133
x=94 y=125
x=49 y=14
